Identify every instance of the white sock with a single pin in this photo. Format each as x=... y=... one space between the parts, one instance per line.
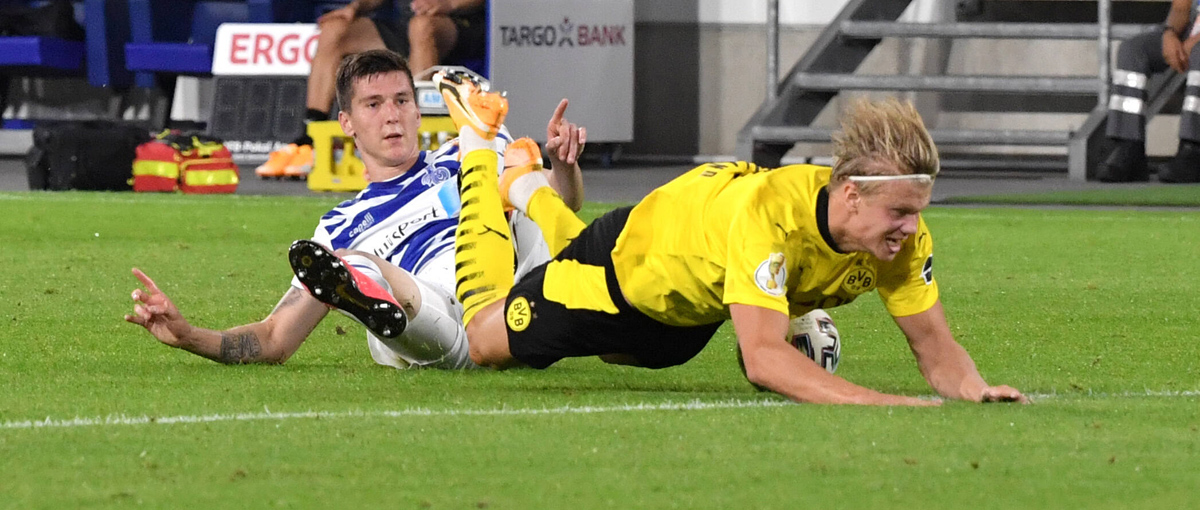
x=523 y=187
x=470 y=141
x=500 y=144
x=435 y=339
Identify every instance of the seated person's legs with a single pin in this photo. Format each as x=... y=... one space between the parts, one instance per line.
x=1185 y=167
x=430 y=38
x=1137 y=59
x=436 y=35
x=337 y=39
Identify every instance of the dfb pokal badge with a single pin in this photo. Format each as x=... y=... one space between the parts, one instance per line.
x=771 y=275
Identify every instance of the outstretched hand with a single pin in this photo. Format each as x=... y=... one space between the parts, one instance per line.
x=564 y=140
x=1003 y=394
x=154 y=311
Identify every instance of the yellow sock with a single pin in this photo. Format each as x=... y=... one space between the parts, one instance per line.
x=483 y=250
x=558 y=222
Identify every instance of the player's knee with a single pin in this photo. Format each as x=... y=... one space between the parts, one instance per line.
x=477 y=355
x=486 y=348
x=332 y=37
x=480 y=348
x=422 y=28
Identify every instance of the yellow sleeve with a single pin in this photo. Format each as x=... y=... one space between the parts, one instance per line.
x=756 y=269
x=908 y=287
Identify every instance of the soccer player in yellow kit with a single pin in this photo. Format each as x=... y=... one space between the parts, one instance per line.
x=650 y=284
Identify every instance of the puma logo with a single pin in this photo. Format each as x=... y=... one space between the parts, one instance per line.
x=497 y=232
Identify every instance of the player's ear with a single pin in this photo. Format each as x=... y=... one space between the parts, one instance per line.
x=852 y=193
x=344 y=120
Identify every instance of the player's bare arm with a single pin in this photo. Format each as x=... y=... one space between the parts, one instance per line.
x=774 y=364
x=945 y=364
x=272 y=340
x=564 y=146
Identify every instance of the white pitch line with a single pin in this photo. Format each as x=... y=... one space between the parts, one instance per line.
x=120 y=419
x=1123 y=394
x=1185 y=216
x=694 y=405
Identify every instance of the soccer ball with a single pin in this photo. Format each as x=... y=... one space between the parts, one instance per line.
x=815 y=336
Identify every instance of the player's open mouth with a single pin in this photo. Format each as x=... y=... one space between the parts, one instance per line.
x=894 y=244
x=393 y=136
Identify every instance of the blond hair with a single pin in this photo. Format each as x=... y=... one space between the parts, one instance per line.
x=882 y=138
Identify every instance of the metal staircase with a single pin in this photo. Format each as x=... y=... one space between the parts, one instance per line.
x=829 y=66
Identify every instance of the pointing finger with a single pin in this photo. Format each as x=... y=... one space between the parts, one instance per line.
x=146 y=280
x=559 y=111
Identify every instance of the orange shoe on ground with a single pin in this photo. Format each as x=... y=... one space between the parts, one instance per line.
x=277 y=162
x=471 y=103
x=301 y=163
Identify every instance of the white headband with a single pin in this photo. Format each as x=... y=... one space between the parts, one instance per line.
x=904 y=177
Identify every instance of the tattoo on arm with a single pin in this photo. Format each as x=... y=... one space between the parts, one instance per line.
x=290 y=298
x=240 y=347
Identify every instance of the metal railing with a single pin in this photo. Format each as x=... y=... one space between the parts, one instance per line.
x=772 y=49
x=1103 y=30
x=1104 y=41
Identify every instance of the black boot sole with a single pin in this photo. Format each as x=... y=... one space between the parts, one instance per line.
x=328 y=280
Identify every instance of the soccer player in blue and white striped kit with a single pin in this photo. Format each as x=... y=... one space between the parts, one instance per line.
x=398 y=233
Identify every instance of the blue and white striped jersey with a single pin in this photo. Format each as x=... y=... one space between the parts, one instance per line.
x=407 y=220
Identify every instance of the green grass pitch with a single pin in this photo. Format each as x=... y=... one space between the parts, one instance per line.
x=1095 y=313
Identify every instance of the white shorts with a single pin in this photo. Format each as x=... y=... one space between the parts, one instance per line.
x=436 y=337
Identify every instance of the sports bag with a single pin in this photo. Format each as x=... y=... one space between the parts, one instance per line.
x=193 y=163
x=91 y=155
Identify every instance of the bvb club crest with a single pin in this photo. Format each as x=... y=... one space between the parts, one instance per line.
x=859 y=280
x=519 y=314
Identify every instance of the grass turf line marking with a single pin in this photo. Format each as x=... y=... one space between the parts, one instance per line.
x=694 y=405
x=1155 y=215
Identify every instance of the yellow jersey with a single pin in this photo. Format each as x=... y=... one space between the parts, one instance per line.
x=729 y=233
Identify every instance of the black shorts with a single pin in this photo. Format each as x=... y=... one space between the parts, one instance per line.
x=472 y=35
x=542 y=331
